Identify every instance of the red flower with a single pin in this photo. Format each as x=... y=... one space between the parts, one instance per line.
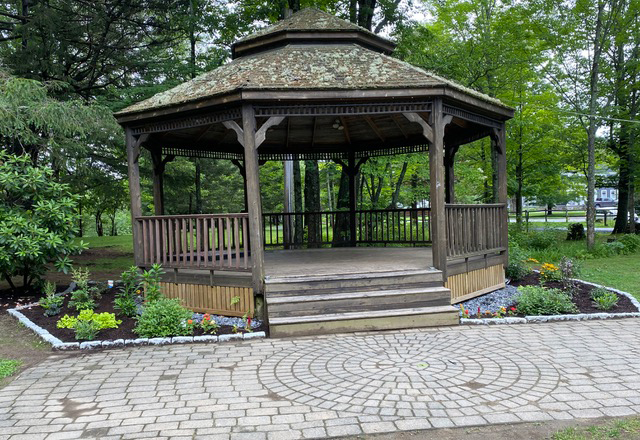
x=189 y=321
x=513 y=309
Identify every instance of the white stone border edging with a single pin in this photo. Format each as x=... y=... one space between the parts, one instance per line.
x=57 y=344
x=553 y=318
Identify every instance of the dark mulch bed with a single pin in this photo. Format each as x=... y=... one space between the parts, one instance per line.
x=124 y=330
x=581 y=297
x=11 y=299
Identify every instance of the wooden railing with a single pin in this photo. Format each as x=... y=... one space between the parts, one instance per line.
x=207 y=241
x=475 y=229
x=382 y=226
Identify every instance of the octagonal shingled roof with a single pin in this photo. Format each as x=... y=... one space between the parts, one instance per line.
x=311 y=19
x=341 y=65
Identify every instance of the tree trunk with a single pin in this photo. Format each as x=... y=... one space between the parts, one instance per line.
x=519 y=185
x=114 y=230
x=297 y=205
x=396 y=192
x=593 y=127
x=341 y=227
x=198 y=186
x=25 y=13
x=624 y=182
x=99 y=226
x=312 y=203
x=80 y=223
x=483 y=157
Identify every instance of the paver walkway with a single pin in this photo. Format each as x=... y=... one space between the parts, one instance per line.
x=333 y=385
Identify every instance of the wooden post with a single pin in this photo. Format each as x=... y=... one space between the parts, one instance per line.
x=352 y=171
x=158 y=187
x=449 y=160
x=133 y=156
x=287 y=224
x=252 y=170
x=499 y=145
x=436 y=189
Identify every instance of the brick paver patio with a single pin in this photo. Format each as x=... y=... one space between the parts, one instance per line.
x=334 y=385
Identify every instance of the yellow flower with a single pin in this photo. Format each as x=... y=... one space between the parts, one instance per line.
x=532 y=260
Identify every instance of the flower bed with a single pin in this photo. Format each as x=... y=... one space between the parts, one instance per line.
x=89 y=315
x=505 y=305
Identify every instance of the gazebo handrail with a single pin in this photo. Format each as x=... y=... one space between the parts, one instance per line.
x=476 y=205
x=178 y=216
x=346 y=211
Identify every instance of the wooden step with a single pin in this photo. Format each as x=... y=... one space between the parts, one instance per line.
x=363 y=321
x=299 y=283
x=341 y=301
x=329 y=289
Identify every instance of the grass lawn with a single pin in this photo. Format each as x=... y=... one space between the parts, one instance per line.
x=108 y=255
x=628 y=428
x=620 y=272
x=123 y=243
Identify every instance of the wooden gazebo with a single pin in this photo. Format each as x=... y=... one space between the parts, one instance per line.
x=317 y=87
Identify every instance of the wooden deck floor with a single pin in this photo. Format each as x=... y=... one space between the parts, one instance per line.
x=343 y=261
x=326 y=261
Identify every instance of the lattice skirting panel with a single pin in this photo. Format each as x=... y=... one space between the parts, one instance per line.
x=212 y=299
x=475 y=283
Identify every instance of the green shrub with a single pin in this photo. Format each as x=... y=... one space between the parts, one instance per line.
x=576 y=232
x=614 y=248
x=86 y=330
x=598 y=291
x=535 y=300
x=66 y=322
x=603 y=299
x=130 y=280
x=151 y=283
x=125 y=305
x=162 y=318
x=540 y=240
x=630 y=242
x=50 y=302
x=516 y=269
x=606 y=302
x=101 y=320
x=84 y=297
x=38 y=219
x=125 y=299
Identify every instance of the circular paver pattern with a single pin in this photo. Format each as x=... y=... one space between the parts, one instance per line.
x=412 y=371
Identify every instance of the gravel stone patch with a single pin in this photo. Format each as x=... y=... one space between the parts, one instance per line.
x=491 y=301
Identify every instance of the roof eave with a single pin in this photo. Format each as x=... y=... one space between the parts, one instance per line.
x=291 y=35
x=334 y=95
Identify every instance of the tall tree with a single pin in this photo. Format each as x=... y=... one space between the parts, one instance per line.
x=580 y=33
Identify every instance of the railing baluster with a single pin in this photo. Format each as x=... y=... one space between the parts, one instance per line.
x=228 y=246
x=236 y=235
x=245 y=248
x=220 y=253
